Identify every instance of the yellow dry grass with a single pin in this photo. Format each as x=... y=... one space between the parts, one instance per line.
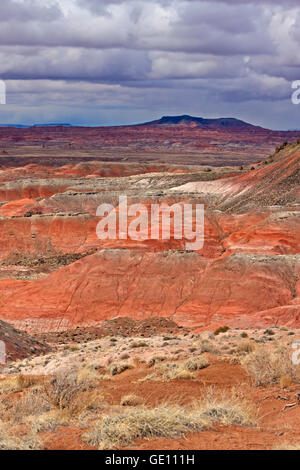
x=170 y=421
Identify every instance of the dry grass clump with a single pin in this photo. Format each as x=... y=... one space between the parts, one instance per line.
x=105 y=377
x=139 y=344
x=288 y=446
x=207 y=346
x=27 y=381
x=39 y=408
x=131 y=400
x=118 y=368
x=169 y=421
x=48 y=421
x=19 y=382
x=155 y=359
x=196 y=363
x=184 y=375
x=114 y=431
x=124 y=356
x=227 y=408
x=266 y=366
x=9 y=384
x=177 y=370
x=87 y=374
x=31 y=403
x=285 y=381
x=10 y=442
x=246 y=346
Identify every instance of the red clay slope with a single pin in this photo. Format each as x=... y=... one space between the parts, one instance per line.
x=181 y=285
x=247 y=274
x=18 y=344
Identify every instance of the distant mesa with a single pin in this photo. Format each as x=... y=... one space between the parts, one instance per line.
x=192 y=121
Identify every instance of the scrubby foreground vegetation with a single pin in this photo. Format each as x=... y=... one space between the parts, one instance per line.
x=234 y=389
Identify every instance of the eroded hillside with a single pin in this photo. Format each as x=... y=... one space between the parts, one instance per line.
x=55 y=272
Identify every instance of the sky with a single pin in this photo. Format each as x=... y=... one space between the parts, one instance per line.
x=111 y=62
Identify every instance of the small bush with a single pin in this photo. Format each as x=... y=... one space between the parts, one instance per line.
x=32 y=403
x=246 y=346
x=268 y=367
x=207 y=346
x=118 y=368
x=221 y=329
x=131 y=400
x=62 y=390
x=139 y=344
x=269 y=332
x=124 y=356
x=173 y=370
x=196 y=364
x=184 y=375
x=155 y=359
x=285 y=381
x=72 y=396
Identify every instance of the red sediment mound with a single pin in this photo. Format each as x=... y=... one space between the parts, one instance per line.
x=256 y=232
x=273 y=184
x=32 y=189
x=19 y=344
x=16 y=208
x=183 y=286
x=120 y=326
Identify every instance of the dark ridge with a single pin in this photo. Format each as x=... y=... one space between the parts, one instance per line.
x=186 y=120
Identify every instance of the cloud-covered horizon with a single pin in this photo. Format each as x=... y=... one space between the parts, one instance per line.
x=117 y=62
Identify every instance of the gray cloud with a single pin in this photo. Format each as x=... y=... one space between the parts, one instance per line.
x=140 y=56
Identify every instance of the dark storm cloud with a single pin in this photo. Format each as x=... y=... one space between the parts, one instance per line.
x=146 y=54
x=194 y=26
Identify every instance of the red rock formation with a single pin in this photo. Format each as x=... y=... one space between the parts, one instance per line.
x=257 y=232
x=181 y=285
x=247 y=273
x=16 y=208
x=18 y=345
